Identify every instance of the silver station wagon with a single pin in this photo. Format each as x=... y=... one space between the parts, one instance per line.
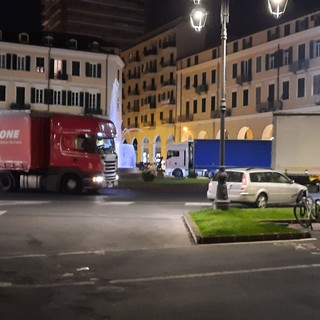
x=257 y=187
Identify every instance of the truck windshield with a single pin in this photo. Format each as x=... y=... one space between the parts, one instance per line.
x=172 y=153
x=105 y=145
x=93 y=144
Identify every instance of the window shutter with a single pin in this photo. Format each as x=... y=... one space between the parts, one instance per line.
x=64 y=66
x=14 y=62
x=81 y=99
x=48 y=96
x=87 y=69
x=27 y=63
x=33 y=95
x=69 y=98
x=51 y=69
x=311 y=49
x=267 y=61
x=86 y=100
x=290 y=55
x=64 y=97
x=98 y=101
x=8 y=59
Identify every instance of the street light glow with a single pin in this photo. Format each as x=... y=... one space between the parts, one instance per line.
x=198 y=18
x=277 y=7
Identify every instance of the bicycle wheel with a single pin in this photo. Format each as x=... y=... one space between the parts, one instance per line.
x=302 y=215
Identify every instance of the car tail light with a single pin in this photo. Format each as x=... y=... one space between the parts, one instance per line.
x=244 y=181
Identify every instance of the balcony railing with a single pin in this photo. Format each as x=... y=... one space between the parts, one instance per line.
x=152 y=87
x=167 y=121
x=269 y=106
x=134 y=93
x=166 y=64
x=244 y=78
x=203 y=88
x=168 y=101
x=134 y=59
x=88 y=110
x=299 y=65
x=151 y=51
x=185 y=118
x=215 y=114
x=167 y=44
x=170 y=82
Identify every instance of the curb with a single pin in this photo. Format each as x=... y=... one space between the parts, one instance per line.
x=199 y=239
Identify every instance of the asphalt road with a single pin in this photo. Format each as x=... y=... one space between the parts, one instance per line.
x=126 y=254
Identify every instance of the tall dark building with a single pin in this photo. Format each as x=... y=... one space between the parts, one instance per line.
x=119 y=22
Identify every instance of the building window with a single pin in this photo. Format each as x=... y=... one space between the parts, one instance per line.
x=316 y=85
x=258 y=95
x=234 y=99
x=21 y=63
x=235 y=46
x=187 y=83
x=301 y=87
x=214 y=54
x=317 y=49
x=245 y=97
x=187 y=108
x=287 y=30
x=203 y=104
x=234 y=70
x=2 y=93
x=270 y=61
x=213 y=103
x=285 y=90
x=188 y=62
x=258 y=64
x=213 y=76
x=40 y=64
x=75 y=68
x=196 y=59
x=57 y=97
x=93 y=70
x=195 y=106
x=195 y=80
x=39 y=95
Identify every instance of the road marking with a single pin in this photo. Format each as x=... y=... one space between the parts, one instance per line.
x=46 y=285
x=17 y=202
x=214 y=274
x=207 y=204
x=120 y=203
x=2 y=212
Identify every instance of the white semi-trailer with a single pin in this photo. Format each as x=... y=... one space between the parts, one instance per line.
x=296 y=145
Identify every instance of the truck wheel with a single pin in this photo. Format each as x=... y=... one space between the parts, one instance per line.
x=6 y=182
x=71 y=183
x=177 y=173
x=262 y=201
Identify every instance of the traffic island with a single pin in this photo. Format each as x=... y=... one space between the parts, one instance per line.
x=284 y=233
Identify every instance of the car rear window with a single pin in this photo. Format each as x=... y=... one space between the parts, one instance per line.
x=234 y=176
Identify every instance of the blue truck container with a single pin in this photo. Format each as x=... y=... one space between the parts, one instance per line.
x=238 y=153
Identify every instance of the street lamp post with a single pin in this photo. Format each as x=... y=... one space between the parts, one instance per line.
x=198 y=19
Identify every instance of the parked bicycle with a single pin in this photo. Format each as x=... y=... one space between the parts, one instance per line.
x=307 y=210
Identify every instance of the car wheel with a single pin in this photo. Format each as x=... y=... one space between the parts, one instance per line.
x=71 y=183
x=178 y=173
x=6 y=182
x=262 y=201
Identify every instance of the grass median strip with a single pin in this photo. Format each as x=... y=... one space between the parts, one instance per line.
x=215 y=223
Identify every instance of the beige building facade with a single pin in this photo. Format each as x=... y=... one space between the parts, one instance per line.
x=77 y=79
x=275 y=69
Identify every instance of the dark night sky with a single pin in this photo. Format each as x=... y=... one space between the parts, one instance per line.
x=25 y=15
